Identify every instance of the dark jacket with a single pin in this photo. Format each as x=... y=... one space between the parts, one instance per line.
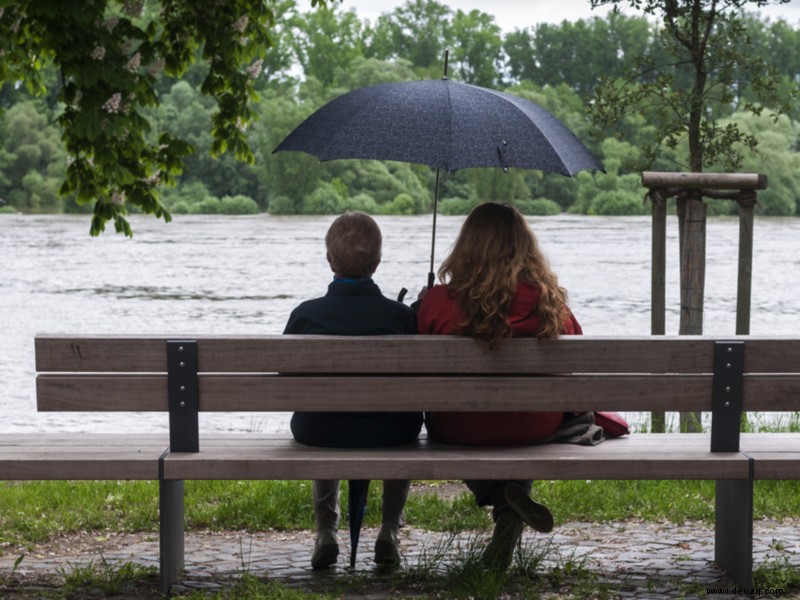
x=353 y=308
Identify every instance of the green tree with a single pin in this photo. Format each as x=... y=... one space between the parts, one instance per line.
x=776 y=44
x=372 y=71
x=777 y=148
x=326 y=41
x=576 y=53
x=324 y=200
x=32 y=160
x=287 y=177
x=108 y=54
x=419 y=31
x=702 y=60
x=186 y=113
x=477 y=48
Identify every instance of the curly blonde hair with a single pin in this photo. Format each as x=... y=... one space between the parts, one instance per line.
x=495 y=250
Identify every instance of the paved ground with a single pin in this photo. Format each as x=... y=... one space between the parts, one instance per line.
x=629 y=560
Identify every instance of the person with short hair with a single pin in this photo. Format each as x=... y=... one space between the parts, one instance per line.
x=497 y=284
x=354 y=305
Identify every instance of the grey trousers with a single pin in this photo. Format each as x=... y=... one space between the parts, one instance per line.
x=326 y=502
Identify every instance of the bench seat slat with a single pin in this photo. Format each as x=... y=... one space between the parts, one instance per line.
x=99 y=440
x=776 y=455
x=641 y=456
x=78 y=456
x=80 y=466
x=776 y=465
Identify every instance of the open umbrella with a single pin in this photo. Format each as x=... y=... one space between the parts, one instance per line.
x=444 y=124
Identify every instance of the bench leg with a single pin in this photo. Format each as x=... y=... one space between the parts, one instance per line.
x=171 y=532
x=733 y=542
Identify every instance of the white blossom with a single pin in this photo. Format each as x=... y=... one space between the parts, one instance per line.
x=154 y=179
x=114 y=104
x=254 y=69
x=98 y=53
x=241 y=24
x=133 y=63
x=118 y=198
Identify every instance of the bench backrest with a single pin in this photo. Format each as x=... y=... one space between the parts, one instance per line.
x=425 y=373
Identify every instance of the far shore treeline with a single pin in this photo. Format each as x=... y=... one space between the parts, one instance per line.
x=321 y=54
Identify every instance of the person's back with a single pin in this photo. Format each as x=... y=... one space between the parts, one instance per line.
x=497 y=285
x=354 y=305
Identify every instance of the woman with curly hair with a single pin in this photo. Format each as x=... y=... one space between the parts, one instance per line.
x=497 y=284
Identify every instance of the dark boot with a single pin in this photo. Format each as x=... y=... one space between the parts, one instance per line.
x=507 y=533
x=532 y=513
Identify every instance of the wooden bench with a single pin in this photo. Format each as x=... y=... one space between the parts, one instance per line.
x=188 y=376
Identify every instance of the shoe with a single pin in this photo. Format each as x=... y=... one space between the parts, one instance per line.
x=507 y=533
x=387 y=548
x=326 y=549
x=532 y=513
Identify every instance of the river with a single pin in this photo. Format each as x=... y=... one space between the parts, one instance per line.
x=243 y=275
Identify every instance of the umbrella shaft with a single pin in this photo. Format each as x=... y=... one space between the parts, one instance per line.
x=433 y=235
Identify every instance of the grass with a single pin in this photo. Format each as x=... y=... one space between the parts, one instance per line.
x=104 y=577
x=33 y=512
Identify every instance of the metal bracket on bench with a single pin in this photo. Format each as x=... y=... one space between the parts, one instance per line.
x=183 y=395
x=726 y=401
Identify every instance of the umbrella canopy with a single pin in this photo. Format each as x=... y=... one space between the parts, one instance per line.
x=444 y=124
x=441 y=123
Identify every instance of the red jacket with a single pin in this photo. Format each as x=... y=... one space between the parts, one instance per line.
x=440 y=313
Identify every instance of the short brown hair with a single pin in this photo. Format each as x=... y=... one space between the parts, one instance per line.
x=353 y=243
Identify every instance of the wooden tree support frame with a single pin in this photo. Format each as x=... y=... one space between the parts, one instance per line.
x=741 y=188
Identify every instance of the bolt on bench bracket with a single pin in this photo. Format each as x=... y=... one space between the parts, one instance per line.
x=183 y=395
x=726 y=401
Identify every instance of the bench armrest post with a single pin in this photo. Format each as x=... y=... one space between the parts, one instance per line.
x=183 y=395
x=726 y=401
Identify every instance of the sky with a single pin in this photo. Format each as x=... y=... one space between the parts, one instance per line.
x=521 y=14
